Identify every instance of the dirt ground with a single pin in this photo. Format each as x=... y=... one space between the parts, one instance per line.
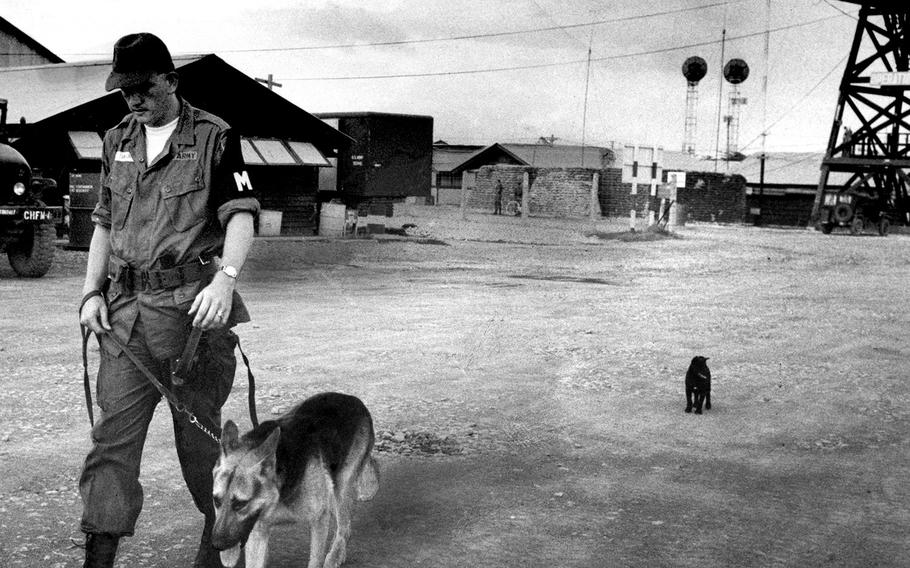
x=526 y=381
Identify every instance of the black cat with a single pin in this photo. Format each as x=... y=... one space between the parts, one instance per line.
x=698 y=383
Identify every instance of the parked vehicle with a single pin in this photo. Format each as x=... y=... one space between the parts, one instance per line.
x=27 y=224
x=856 y=210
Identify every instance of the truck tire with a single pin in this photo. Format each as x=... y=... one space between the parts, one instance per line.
x=857 y=225
x=843 y=212
x=884 y=225
x=33 y=254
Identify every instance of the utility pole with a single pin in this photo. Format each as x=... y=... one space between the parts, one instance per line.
x=584 y=115
x=270 y=82
x=720 y=88
x=764 y=113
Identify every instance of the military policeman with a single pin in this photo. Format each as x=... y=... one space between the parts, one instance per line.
x=173 y=226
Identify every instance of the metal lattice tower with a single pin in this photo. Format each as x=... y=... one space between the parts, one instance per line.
x=691 y=118
x=694 y=70
x=734 y=110
x=870 y=136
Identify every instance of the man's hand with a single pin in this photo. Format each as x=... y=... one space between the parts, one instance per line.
x=94 y=315
x=212 y=305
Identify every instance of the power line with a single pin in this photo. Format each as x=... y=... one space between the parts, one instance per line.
x=800 y=101
x=559 y=63
x=550 y=17
x=487 y=35
x=848 y=14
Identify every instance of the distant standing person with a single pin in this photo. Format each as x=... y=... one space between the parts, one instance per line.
x=497 y=205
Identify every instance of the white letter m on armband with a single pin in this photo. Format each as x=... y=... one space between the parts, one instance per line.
x=243 y=181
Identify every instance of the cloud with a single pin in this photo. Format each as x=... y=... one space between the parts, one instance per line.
x=328 y=24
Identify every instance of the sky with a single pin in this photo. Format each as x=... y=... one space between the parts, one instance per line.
x=506 y=70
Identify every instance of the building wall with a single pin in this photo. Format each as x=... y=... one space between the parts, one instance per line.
x=483 y=194
x=554 y=192
x=391 y=156
x=291 y=190
x=616 y=198
x=716 y=197
x=792 y=209
x=707 y=196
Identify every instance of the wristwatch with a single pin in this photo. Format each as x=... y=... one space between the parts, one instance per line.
x=230 y=271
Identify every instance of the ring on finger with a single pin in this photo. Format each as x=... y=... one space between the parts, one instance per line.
x=219 y=314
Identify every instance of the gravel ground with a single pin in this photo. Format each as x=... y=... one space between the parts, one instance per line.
x=525 y=378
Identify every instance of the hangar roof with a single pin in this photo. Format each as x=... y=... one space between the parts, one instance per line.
x=71 y=96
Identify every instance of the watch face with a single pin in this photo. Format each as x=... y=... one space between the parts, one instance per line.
x=230 y=271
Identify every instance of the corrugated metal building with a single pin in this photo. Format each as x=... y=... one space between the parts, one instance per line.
x=389 y=159
x=790 y=184
x=65 y=111
x=18 y=49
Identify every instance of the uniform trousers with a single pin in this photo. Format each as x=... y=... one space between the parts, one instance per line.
x=111 y=492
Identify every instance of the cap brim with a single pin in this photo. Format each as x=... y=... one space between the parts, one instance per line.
x=121 y=80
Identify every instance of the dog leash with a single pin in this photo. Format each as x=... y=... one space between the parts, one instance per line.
x=163 y=390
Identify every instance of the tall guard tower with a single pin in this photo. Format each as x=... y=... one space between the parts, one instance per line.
x=870 y=137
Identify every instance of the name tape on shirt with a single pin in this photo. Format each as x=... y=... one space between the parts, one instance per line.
x=187 y=155
x=123 y=157
x=243 y=181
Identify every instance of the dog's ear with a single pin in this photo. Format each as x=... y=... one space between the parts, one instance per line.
x=266 y=450
x=229 y=437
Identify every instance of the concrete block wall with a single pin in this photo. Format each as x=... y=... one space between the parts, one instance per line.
x=708 y=196
x=565 y=192
x=553 y=192
x=616 y=198
x=483 y=195
x=562 y=192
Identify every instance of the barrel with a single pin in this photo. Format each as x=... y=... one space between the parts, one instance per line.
x=332 y=219
x=269 y=223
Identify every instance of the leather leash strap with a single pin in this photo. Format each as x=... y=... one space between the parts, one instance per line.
x=167 y=394
x=181 y=371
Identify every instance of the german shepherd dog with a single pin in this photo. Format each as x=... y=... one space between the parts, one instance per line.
x=308 y=465
x=698 y=384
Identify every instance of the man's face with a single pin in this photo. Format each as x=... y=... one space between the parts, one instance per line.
x=151 y=102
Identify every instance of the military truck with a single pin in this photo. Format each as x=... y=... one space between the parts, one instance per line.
x=856 y=210
x=27 y=223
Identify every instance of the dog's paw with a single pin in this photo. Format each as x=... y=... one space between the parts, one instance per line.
x=707 y=406
x=698 y=411
x=688 y=409
x=336 y=556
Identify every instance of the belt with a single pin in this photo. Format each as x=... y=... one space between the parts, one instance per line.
x=136 y=280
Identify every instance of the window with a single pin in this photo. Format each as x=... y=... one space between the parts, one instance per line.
x=448 y=180
x=88 y=145
x=308 y=154
x=274 y=152
x=250 y=155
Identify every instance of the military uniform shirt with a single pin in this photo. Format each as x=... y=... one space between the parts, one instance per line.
x=169 y=212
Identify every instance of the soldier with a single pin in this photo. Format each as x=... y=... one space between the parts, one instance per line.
x=173 y=227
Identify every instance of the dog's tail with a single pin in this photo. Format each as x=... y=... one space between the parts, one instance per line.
x=368 y=480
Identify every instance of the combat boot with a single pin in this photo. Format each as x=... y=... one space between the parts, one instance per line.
x=207 y=556
x=100 y=550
